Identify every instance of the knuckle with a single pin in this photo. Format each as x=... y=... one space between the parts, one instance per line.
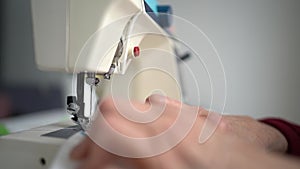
x=156 y=98
x=225 y=125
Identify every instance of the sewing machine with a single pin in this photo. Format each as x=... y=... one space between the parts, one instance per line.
x=112 y=47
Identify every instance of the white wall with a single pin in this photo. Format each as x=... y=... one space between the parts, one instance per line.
x=259 y=44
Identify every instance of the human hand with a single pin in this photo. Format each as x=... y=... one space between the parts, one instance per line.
x=261 y=134
x=234 y=136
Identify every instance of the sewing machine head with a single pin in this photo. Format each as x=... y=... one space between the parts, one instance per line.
x=100 y=40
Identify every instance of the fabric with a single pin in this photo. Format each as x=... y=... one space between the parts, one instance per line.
x=290 y=131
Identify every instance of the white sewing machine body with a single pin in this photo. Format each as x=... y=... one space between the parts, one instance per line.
x=30 y=149
x=83 y=37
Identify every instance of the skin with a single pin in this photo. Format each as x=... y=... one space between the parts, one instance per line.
x=238 y=142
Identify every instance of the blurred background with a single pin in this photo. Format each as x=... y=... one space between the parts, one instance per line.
x=31 y=97
x=258 y=42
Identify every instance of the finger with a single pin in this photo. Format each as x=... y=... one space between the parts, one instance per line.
x=173 y=103
x=96 y=159
x=163 y=101
x=189 y=149
x=81 y=150
x=172 y=107
x=110 y=104
x=156 y=98
x=165 y=109
x=174 y=160
x=117 y=107
x=193 y=156
x=168 y=160
x=123 y=116
x=212 y=122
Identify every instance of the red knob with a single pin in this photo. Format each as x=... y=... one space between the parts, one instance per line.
x=136 y=51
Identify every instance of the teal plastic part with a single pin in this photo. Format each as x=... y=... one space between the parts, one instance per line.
x=153 y=5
